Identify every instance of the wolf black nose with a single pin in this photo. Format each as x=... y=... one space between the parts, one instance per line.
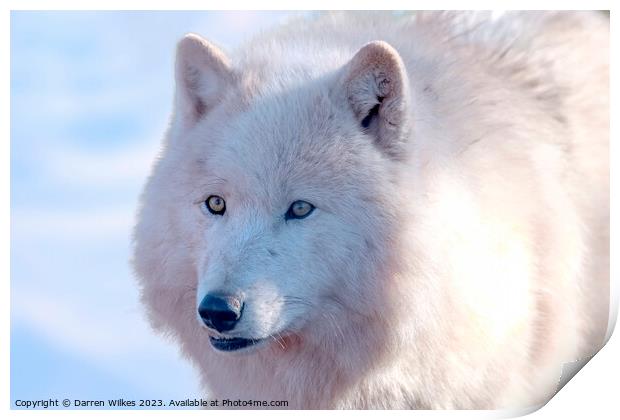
x=220 y=312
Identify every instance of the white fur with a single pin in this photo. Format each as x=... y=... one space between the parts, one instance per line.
x=458 y=253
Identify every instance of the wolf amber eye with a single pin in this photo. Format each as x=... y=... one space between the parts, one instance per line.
x=299 y=210
x=215 y=204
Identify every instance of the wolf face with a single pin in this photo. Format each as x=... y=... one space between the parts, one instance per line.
x=303 y=183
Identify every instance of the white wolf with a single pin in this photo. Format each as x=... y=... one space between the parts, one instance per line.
x=385 y=210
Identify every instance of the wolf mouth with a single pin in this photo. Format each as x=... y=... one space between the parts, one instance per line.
x=233 y=344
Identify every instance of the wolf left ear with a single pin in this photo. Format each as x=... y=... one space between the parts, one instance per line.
x=377 y=89
x=202 y=74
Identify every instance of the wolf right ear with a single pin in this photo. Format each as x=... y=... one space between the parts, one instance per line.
x=202 y=73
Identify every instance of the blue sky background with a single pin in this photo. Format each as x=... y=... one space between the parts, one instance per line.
x=91 y=93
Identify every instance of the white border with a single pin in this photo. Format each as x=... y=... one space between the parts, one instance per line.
x=305 y=5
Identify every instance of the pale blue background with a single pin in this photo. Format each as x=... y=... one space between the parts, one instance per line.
x=91 y=94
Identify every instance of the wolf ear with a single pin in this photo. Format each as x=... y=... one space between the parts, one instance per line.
x=202 y=74
x=377 y=89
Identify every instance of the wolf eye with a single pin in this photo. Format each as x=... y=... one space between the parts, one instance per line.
x=299 y=210
x=215 y=204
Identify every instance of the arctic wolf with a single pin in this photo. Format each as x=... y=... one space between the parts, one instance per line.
x=385 y=210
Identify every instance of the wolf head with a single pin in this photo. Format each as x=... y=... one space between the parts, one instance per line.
x=272 y=210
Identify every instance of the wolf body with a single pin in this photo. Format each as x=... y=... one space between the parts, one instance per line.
x=457 y=167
